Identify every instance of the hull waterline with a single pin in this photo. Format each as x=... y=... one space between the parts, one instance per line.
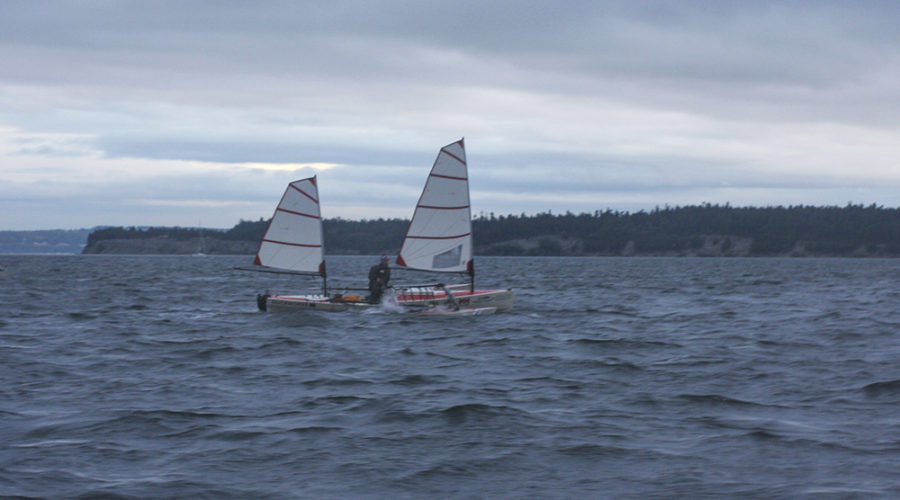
x=421 y=298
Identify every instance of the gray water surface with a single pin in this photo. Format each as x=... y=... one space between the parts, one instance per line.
x=156 y=377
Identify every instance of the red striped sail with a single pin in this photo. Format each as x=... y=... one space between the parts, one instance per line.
x=293 y=240
x=439 y=237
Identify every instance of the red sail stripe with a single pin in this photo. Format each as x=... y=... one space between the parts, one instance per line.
x=304 y=193
x=443 y=208
x=292 y=244
x=279 y=209
x=437 y=237
x=449 y=177
x=451 y=155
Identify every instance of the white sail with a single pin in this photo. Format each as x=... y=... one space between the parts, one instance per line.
x=439 y=237
x=293 y=240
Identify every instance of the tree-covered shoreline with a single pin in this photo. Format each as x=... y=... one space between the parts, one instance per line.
x=703 y=230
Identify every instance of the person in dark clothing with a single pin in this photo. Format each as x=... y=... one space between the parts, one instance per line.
x=379 y=276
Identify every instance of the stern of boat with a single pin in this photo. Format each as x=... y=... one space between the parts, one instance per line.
x=501 y=299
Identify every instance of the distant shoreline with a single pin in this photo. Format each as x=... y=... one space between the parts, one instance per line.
x=693 y=231
x=544 y=246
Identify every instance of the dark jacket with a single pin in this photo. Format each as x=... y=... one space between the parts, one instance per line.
x=379 y=276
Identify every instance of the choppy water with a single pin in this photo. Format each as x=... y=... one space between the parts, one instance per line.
x=155 y=377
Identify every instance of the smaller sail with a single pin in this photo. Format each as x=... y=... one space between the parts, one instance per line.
x=439 y=237
x=294 y=240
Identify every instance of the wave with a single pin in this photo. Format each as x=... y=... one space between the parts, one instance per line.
x=461 y=413
x=315 y=429
x=82 y=316
x=882 y=389
x=332 y=381
x=622 y=342
x=719 y=400
x=762 y=434
x=590 y=450
x=385 y=412
x=238 y=435
x=414 y=380
x=51 y=443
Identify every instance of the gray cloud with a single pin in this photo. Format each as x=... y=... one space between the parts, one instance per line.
x=630 y=104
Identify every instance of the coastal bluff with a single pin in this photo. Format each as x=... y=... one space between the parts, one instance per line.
x=170 y=246
x=547 y=245
x=693 y=231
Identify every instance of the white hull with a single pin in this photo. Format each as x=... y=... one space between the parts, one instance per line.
x=439 y=311
x=423 y=297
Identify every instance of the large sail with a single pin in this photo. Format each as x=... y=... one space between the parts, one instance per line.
x=293 y=240
x=439 y=237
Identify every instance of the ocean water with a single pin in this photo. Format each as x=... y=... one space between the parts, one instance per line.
x=156 y=377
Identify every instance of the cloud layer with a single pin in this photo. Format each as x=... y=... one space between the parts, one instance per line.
x=178 y=112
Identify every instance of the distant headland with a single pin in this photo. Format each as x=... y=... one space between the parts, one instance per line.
x=702 y=230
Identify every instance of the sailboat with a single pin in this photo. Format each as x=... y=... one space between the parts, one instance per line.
x=201 y=245
x=439 y=240
x=294 y=244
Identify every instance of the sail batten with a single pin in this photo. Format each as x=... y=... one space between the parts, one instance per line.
x=294 y=239
x=292 y=244
x=439 y=237
x=304 y=193
x=311 y=216
x=450 y=177
x=430 y=207
x=451 y=155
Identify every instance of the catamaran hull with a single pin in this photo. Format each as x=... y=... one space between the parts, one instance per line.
x=499 y=300
x=502 y=300
x=289 y=303
x=438 y=311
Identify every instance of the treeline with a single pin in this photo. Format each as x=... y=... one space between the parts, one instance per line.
x=848 y=230
x=772 y=230
x=342 y=236
x=146 y=233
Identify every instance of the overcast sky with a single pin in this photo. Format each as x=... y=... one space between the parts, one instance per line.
x=199 y=113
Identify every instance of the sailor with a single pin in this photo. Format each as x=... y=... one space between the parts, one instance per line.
x=379 y=276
